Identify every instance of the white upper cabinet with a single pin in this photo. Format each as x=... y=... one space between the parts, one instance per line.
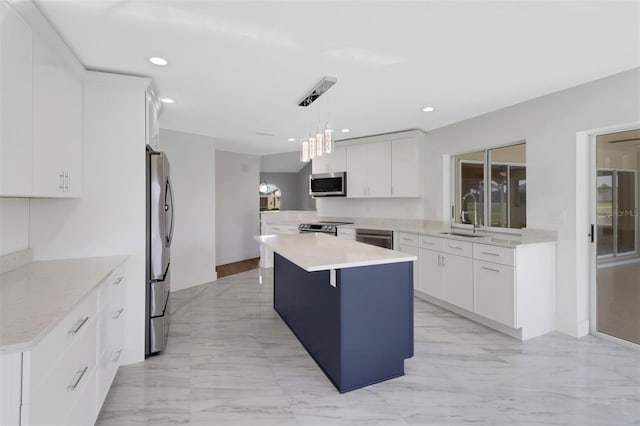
x=57 y=124
x=330 y=163
x=385 y=166
x=405 y=168
x=357 y=171
x=153 y=120
x=41 y=115
x=369 y=170
x=16 y=61
x=379 y=169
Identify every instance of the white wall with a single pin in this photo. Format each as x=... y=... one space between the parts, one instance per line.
x=397 y=208
x=193 y=254
x=549 y=125
x=110 y=217
x=14 y=225
x=237 y=206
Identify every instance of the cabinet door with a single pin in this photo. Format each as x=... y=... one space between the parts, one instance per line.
x=320 y=164
x=57 y=124
x=431 y=273
x=357 y=171
x=416 y=265
x=494 y=292
x=10 y=387
x=379 y=169
x=16 y=102
x=458 y=280
x=405 y=163
x=337 y=160
x=153 y=122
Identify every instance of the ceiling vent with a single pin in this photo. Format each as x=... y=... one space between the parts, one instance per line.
x=325 y=84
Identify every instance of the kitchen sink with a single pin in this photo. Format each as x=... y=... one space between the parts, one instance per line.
x=462 y=234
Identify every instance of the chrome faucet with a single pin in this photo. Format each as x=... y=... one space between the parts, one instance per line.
x=476 y=226
x=475 y=208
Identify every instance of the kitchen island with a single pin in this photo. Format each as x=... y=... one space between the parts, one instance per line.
x=349 y=304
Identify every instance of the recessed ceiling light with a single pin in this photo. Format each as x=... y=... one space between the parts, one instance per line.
x=428 y=109
x=156 y=60
x=167 y=100
x=345 y=130
x=292 y=139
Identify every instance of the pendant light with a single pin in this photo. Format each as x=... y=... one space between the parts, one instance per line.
x=312 y=147
x=304 y=151
x=320 y=142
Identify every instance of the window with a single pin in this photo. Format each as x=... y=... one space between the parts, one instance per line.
x=498 y=175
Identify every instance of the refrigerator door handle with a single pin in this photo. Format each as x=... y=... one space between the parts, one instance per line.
x=169 y=210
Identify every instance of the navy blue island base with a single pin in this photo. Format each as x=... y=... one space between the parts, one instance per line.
x=358 y=332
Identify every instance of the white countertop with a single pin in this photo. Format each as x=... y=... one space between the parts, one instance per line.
x=320 y=252
x=491 y=238
x=35 y=297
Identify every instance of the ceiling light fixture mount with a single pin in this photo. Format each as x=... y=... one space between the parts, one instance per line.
x=428 y=109
x=318 y=90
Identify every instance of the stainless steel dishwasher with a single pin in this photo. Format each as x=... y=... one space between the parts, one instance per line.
x=376 y=237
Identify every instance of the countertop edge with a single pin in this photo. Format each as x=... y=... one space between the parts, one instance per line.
x=27 y=345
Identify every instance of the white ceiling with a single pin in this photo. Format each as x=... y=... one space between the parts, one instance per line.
x=238 y=67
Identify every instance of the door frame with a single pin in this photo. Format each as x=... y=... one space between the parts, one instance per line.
x=590 y=137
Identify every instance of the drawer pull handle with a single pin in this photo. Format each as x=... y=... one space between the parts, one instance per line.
x=116 y=356
x=429 y=242
x=117 y=281
x=118 y=313
x=490 y=254
x=79 y=325
x=491 y=269
x=76 y=379
x=407 y=239
x=456 y=247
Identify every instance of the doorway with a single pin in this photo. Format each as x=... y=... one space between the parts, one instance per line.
x=616 y=296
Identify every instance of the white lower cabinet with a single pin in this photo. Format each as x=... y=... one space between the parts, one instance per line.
x=64 y=378
x=266 y=254
x=431 y=273
x=494 y=292
x=111 y=318
x=458 y=280
x=408 y=243
x=511 y=289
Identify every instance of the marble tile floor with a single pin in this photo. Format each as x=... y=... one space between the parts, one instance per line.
x=232 y=361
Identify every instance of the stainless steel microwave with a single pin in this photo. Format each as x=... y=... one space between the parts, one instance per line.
x=328 y=184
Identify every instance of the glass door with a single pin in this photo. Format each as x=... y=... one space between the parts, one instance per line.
x=617 y=289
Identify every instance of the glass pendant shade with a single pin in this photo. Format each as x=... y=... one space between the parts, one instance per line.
x=312 y=147
x=328 y=140
x=304 y=151
x=319 y=144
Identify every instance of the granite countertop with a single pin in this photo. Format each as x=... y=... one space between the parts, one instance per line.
x=320 y=252
x=35 y=297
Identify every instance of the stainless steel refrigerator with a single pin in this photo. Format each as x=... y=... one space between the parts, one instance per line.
x=159 y=235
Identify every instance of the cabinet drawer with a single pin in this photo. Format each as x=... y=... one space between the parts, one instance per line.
x=52 y=401
x=73 y=327
x=406 y=239
x=347 y=233
x=460 y=248
x=496 y=254
x=495 y=292
x=111 y=291
x=431 y=243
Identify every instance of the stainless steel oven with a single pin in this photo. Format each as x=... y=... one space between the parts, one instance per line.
x=375 y=237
